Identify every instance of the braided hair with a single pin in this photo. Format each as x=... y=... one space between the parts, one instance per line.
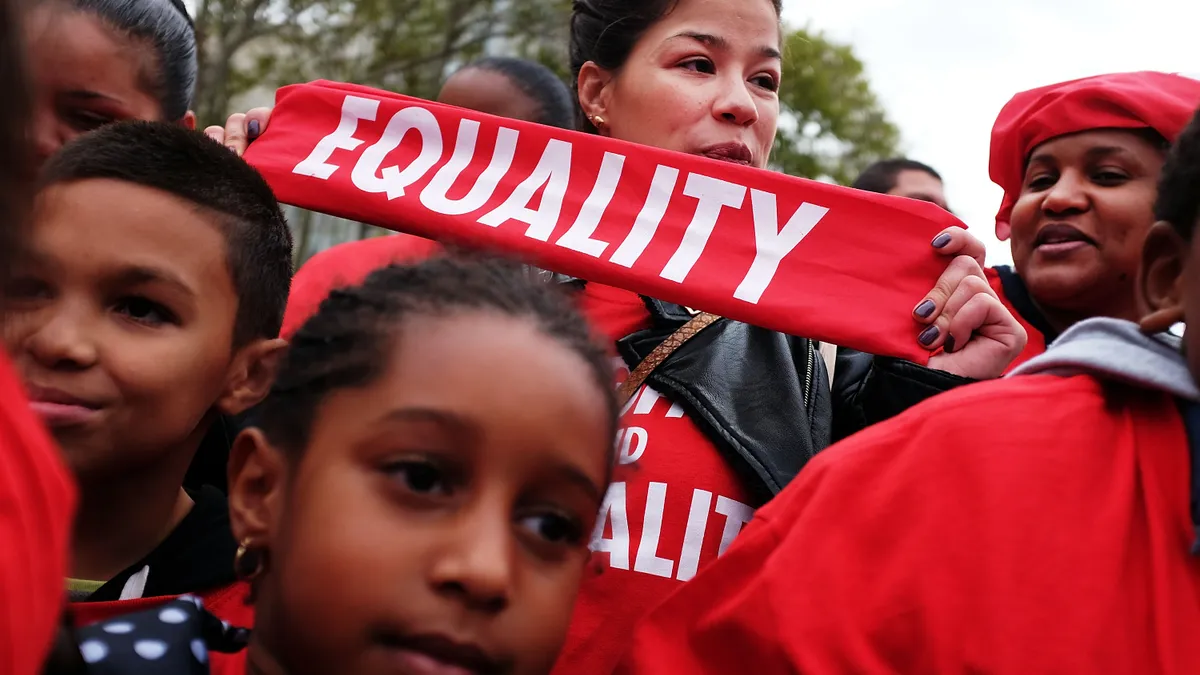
x=354 y=330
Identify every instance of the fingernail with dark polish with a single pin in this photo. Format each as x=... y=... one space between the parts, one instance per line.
x=929 y=336
x=948 y=345
x=925 y=309
x=941 y=240
x=254 y=129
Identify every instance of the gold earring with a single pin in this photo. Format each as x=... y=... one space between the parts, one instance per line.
x=248 y=562
x=596 y=120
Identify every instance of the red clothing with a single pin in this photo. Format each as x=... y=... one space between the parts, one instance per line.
x=229 y=603
x=1159 y=101
x=1054 y=540
x=345 y=265
x=37 y=505
x=1037 y=340
x=673 y=507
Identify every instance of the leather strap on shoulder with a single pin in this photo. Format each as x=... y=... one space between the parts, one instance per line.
x=655 y=358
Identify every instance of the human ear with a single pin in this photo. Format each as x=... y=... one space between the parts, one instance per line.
x=250 y=375
x=594 y=93
x=189 y=120
x=1160 y=279
x=257 y=476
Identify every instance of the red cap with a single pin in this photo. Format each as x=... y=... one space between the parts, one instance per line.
x=345 y=265
x=1159 y=101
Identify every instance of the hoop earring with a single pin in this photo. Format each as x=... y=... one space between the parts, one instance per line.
x=596 y=120
x=249 y=561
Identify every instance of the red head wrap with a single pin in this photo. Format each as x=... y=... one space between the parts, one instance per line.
x=347 y=264
x=1158 y=101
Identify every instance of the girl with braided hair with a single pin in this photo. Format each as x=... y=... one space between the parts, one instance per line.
x=419 y=489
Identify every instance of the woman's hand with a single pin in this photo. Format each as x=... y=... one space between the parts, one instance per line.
x=964 y=316
x=240 y=129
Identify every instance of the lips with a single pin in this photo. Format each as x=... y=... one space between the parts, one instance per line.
x=58 y=408
x=1060 y=234
x=440 y=655
x=734 y=153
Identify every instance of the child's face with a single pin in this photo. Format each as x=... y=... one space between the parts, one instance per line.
x=439 y=517
x=121 y=323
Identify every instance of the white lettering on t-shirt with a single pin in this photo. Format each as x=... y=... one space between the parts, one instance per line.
x=647 y=553
x=633 y=444
x=736 y=515
x=613 y=511
x=693 y=539
x=645 y=403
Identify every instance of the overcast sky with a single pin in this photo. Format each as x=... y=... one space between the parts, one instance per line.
x=944 y=68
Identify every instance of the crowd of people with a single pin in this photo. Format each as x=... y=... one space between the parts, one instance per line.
x=419 y=457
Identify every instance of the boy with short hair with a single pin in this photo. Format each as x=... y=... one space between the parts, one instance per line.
x=149 y=304
x=1044 y=523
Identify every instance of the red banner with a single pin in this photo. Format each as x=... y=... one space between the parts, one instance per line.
x=789 y=254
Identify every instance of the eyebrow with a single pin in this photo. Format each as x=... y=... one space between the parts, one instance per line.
x=141 y=274
x=456 y=422
x=572 y=475
x=442 y=418
x=89 y=95
x=1091 y=153
x=718 y=42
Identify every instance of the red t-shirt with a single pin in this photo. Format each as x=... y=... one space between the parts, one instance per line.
x=1054 y=540
x=37 y=504
x=673 y=507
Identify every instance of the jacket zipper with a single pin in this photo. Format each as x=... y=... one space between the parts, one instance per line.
x=808 y=375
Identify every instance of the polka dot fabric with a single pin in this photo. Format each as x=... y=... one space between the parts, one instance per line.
x=174 y=639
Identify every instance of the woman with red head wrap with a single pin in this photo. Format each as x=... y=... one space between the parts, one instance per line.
x=1079 y=163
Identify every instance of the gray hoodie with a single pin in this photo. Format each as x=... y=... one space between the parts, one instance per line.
x=1114 y=349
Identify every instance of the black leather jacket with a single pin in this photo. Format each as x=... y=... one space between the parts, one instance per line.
x=763 y=398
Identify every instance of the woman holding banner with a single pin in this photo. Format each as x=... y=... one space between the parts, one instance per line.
x=726 y=419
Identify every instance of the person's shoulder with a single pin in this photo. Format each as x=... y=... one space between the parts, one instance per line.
x=1016 y=411
x=991 y=428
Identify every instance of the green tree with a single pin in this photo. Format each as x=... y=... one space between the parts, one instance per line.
x=405 y=46
x=832 y=126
